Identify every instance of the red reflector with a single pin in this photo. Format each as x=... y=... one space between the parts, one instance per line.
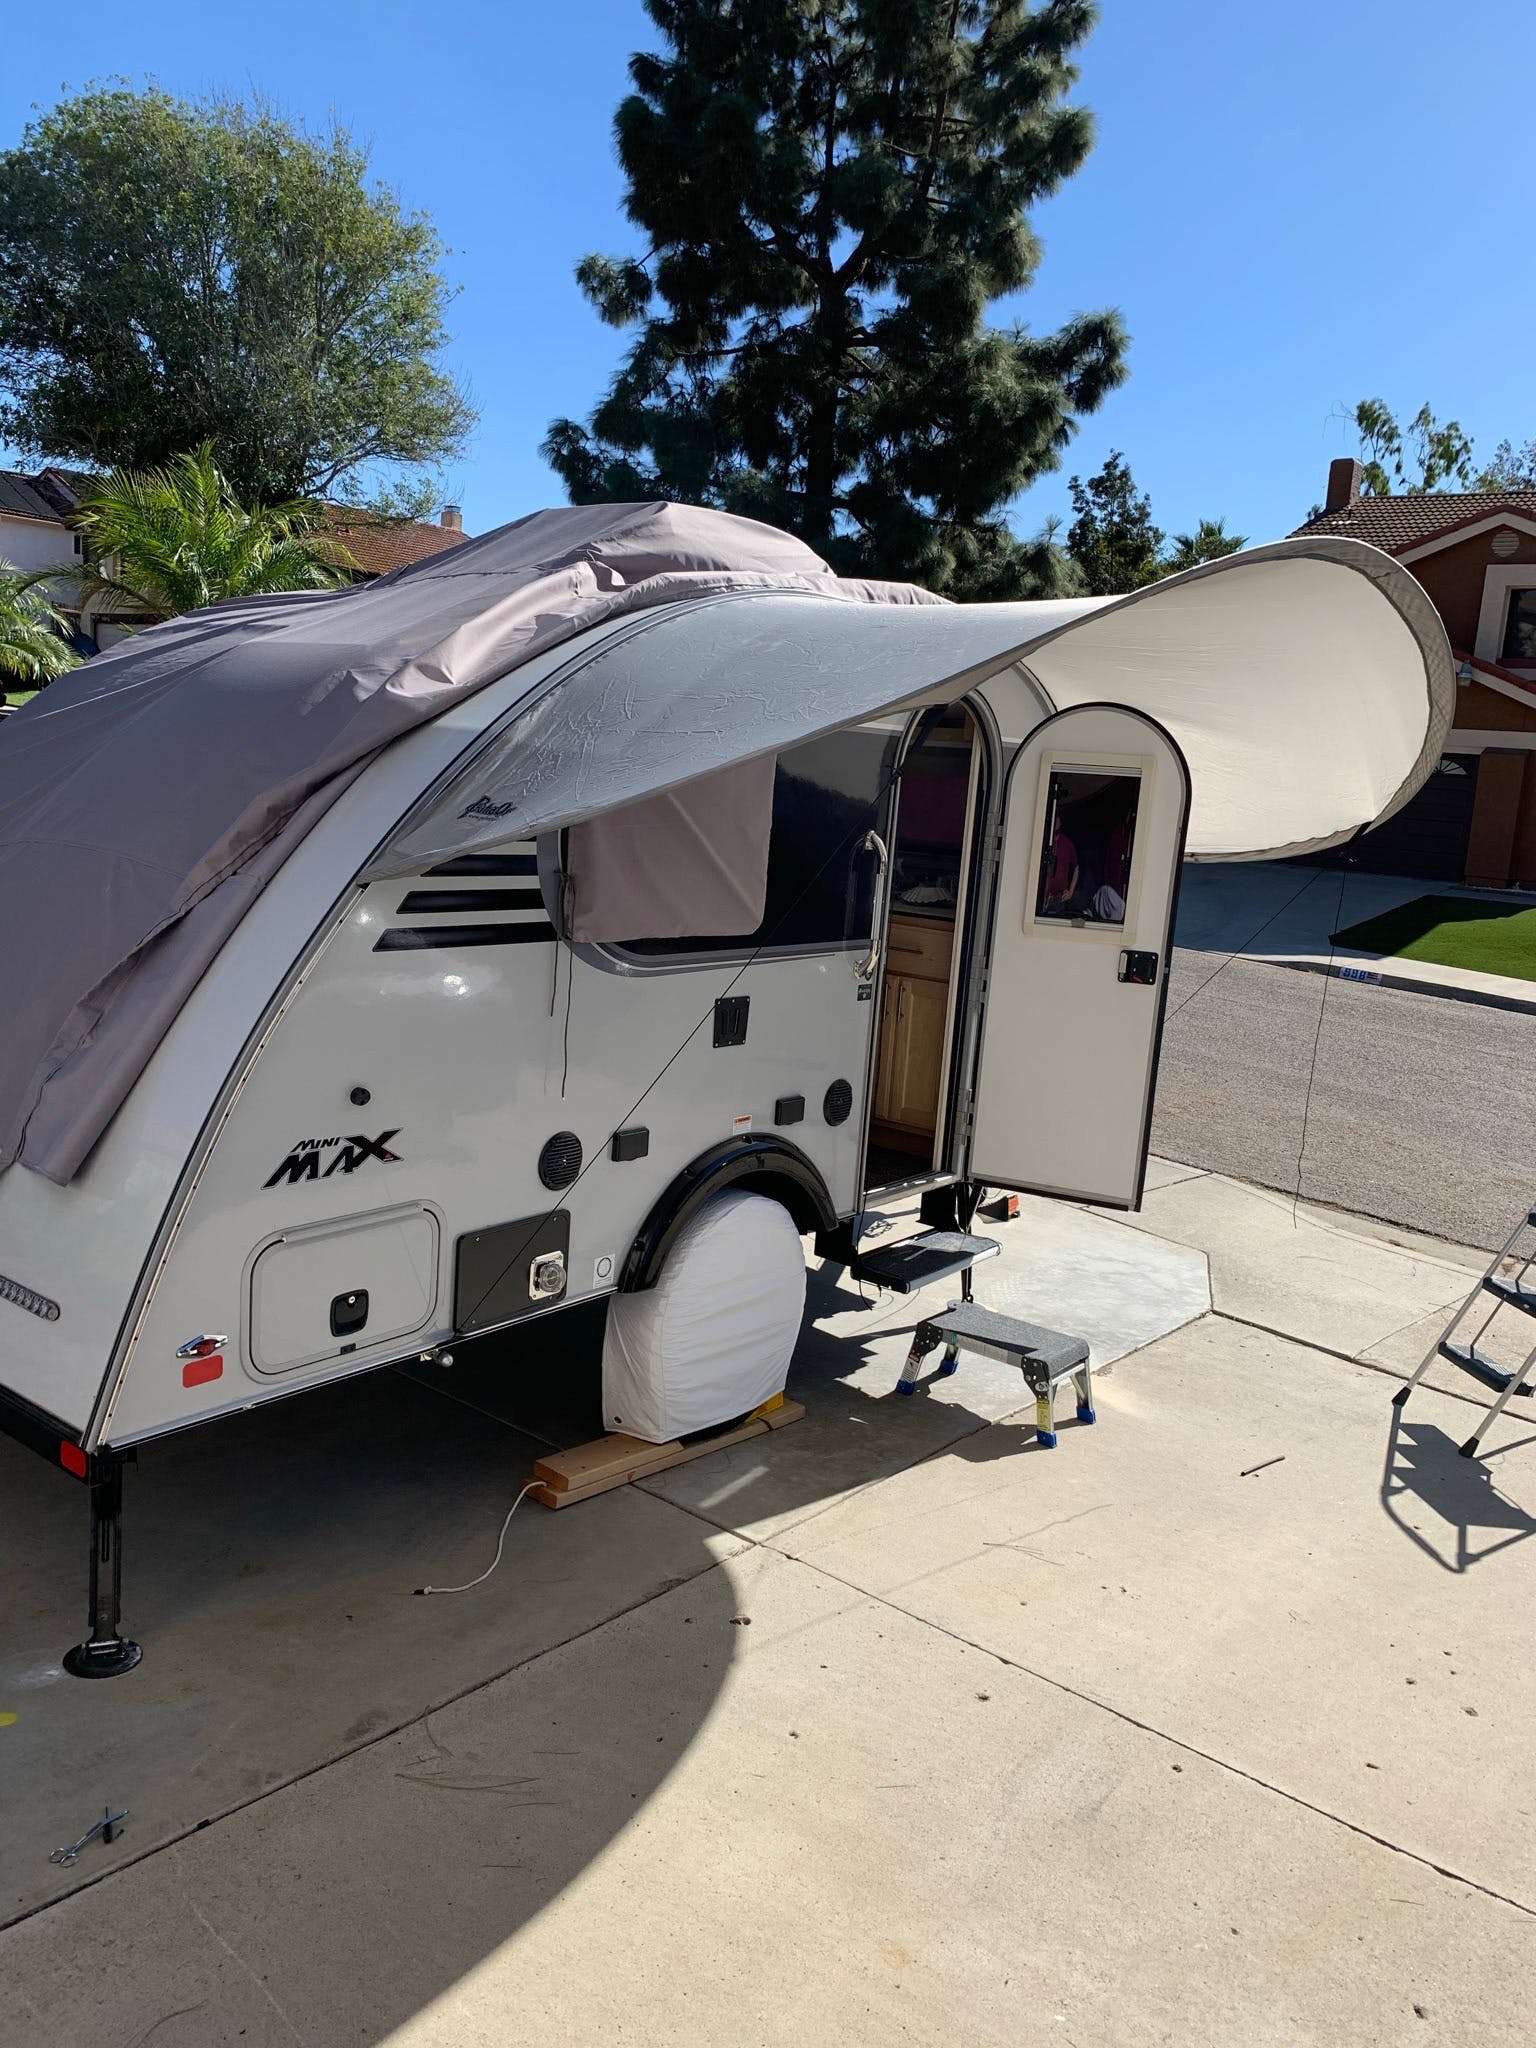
x=204 y=1348
x=73 y=1459
x=198 y=1371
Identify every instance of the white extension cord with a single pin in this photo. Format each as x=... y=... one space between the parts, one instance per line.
x=470 y=1584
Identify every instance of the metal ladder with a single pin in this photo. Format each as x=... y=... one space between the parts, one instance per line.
x=1518 y=1292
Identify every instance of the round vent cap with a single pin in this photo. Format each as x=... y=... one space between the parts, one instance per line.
x=560 y=1161
x=1506 y=542
x=837 y=1102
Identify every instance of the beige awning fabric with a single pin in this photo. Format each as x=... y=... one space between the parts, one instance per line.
x=1309 y=684
x=683 y=864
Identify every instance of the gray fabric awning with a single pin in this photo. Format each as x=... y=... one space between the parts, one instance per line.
x=1309 y=684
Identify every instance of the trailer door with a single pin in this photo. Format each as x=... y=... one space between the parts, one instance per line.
x=1087 y=868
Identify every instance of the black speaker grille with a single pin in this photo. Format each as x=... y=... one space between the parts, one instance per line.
x=560 y=1161
x=837 y=1102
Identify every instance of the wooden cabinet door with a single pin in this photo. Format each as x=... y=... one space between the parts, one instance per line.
x=916 y=1059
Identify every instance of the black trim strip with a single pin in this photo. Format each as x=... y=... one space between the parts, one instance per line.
x=28 y=1424
x=420 y=900
x=489 y=864
x=440 y=938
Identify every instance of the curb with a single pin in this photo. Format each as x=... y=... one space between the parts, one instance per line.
x=1348 y=970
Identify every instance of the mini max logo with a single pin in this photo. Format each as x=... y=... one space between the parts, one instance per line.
x=304 y=1158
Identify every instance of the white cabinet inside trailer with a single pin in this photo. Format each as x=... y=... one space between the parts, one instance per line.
x=1094 y=814
x=342 y=1286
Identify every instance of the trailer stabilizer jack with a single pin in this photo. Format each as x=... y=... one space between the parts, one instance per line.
x=106 y=1651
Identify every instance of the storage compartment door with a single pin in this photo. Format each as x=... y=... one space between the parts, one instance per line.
x=1094 y=811
x=349 y=1285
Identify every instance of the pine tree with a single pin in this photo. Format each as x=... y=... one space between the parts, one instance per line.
x=833 y=192
x=1113 y=540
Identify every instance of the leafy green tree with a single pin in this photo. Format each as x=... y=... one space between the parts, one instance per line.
x=1208 y=543
x=831 y=196
x=33 y=650
x=173 y=273
x=1112 y=539
x=1512 y=469
x=1409 y=461
x=172 y=540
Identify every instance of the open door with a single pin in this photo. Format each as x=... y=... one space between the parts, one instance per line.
x=1094 y=811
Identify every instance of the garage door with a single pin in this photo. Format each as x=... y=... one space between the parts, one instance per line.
x=1427 y=838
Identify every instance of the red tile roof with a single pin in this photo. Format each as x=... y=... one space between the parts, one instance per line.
x=1399 y=523
x=376 y=545
x=379 y=545
x=1483 y=667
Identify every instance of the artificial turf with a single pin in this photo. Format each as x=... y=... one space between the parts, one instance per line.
x=1453 y=931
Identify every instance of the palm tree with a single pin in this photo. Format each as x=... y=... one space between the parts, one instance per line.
x=172 y=540
x=33 y=650
x=1208 y=543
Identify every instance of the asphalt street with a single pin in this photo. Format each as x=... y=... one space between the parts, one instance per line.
x=1422 y=1110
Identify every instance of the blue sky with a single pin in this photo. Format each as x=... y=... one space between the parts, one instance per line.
x=1293 y=207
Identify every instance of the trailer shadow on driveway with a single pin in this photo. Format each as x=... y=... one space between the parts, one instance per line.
x=270 y=1561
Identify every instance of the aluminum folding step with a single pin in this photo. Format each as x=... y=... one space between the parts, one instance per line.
x=1494 y=1377
x=921 y=1261
x=1044 y=1357
x=1009 y=1339
x=1518 y=1292
x=1513 y=1292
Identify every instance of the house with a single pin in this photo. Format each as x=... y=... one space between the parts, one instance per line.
x=1475 y=554
x=38 y=531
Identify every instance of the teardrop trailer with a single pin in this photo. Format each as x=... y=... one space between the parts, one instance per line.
x=391 y=966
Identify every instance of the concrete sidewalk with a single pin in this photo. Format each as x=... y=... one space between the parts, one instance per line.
x=1287 y=916
x=946 y=1740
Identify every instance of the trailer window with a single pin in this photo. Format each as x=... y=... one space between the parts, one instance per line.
x=826 y=795
x=1087 y=846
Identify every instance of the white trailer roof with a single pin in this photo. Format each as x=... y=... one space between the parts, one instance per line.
x=1308 y=683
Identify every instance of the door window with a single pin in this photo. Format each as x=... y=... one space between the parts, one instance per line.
x=1088 y=846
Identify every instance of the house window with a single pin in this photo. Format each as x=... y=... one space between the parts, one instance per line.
x=1520 y=628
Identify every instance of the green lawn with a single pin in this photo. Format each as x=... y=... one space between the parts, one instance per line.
x=1453 y=931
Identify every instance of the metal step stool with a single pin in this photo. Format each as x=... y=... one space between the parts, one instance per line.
x=1045 y=1357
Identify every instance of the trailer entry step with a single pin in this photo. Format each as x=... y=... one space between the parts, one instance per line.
x=920 y=1261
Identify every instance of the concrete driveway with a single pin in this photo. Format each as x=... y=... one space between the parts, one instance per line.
x=886 y=1727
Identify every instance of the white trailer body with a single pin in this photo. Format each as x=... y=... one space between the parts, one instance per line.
x=405 y=1104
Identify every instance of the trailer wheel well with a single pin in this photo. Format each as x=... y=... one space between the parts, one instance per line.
x=760 y=1165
